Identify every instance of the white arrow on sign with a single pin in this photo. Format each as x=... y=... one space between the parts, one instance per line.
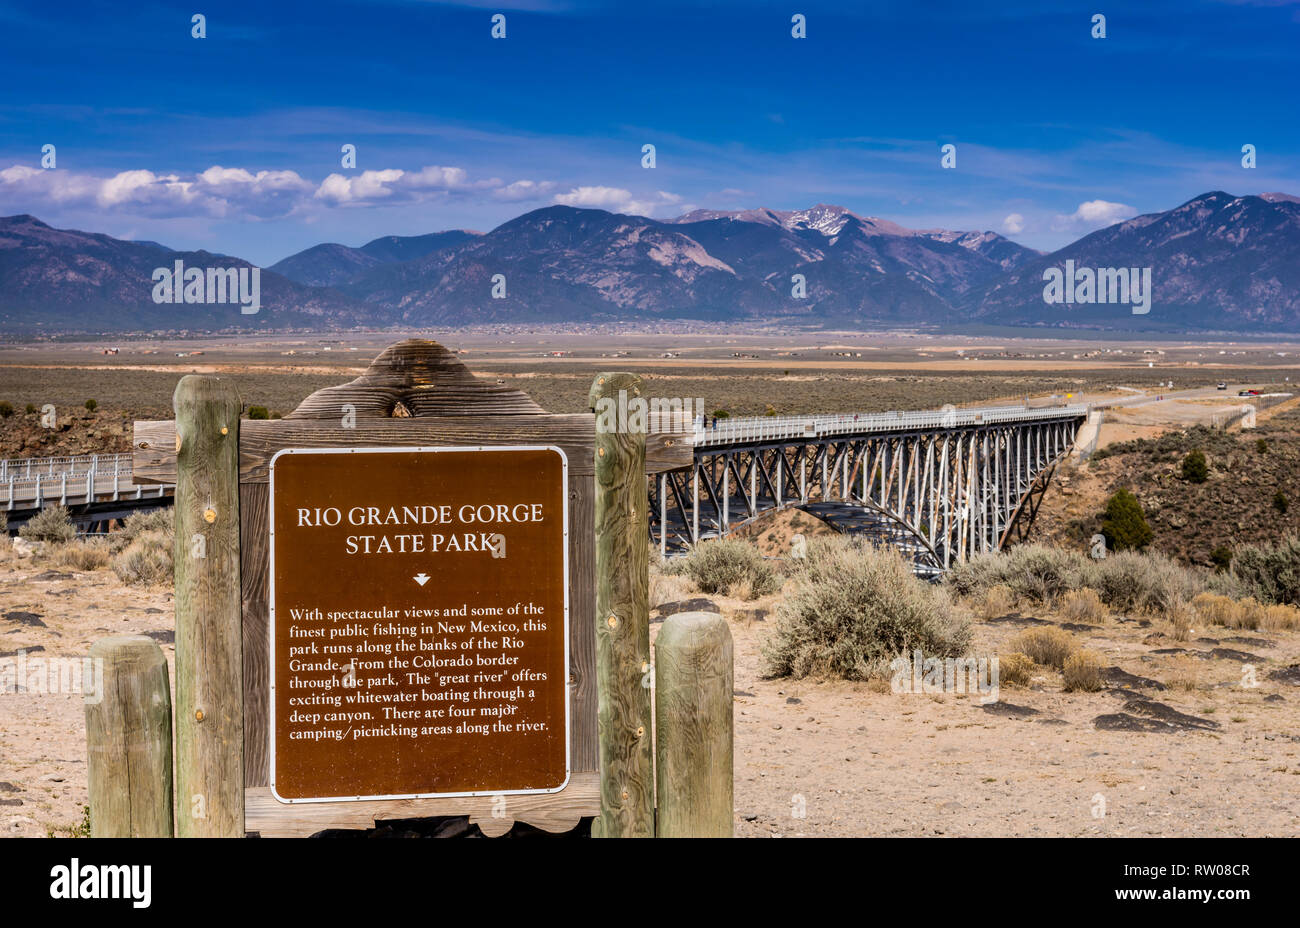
x=421 y=578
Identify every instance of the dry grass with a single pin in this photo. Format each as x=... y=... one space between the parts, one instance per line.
x=1214 y=609
x=1015 y=667
x=1185 y=673
x=84 y=555
x=1082 y=671
x=1281 y=618
x=1083 y=606
x=1180 y=614
x=1047 y=646
x=667 y=587
x=998 y=600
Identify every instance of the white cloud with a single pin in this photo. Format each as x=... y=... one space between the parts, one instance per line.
x=1014 y=224
x=221 y=192
x=1095 y=214
x=616 y=200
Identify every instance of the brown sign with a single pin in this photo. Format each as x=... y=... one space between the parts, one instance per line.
x=419 y=622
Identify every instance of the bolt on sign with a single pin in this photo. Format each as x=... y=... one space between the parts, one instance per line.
x=418 y=622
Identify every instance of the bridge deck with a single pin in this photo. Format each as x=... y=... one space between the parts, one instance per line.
x=779 y=428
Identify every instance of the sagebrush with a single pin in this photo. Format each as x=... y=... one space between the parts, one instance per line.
x=854 y=608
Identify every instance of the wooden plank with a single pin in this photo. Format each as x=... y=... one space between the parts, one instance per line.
x=129 y=741
x=693 y=727
x=551 y=811
x=622 y=624
x=582 y=628
x=254 y=575
x=422 y=376
x=209 y=659
x=154 y=442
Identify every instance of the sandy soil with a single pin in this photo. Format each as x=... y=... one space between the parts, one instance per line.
x=819 y=757
x=43 y=736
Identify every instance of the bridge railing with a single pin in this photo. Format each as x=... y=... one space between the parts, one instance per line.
x=775 y=428
x=100 y=464
x=35 y=482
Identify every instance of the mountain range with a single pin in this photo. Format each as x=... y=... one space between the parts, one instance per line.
x=1218 y=263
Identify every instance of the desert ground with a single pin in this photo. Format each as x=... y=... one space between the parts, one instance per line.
x=827 y=757
x=814 y=757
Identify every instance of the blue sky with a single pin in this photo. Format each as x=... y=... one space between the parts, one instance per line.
x=232 y=142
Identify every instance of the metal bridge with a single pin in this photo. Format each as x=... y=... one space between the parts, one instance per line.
x=95 y=488
x=940 y=485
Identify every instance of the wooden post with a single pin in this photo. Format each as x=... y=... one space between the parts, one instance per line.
x=622 y=614
x=209 y=648
x=693 y=718
x=129 y=741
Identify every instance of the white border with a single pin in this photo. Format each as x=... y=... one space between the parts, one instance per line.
x=568 y=727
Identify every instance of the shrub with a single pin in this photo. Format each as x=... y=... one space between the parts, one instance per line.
x=1035 y=573
x=146 y=561
x=1221 y=558
x=258 y=412
x=51 y=524
x=1195 y=469
x=1083 y=606
x=1124 y=524
x=1261 y=445
x=1249 y=614
x=730 y=567
x=1131 y=582
x=6 y=409
x=1047 y=646
x=91 y=405
x=4 y=522
x=138 y=523
x=31 y=409
x=721 y=414
x=1015 y=667
x=88 y=554
x=1082 y=671
x=856 y=607
x=1270 y=574
x=1214 y=609
x=1281 y=617
x=997 y=602
x=1280 y=502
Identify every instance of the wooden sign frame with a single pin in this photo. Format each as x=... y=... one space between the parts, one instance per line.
x=415 y=394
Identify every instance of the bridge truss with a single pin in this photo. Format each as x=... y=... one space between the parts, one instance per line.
x=940 y=486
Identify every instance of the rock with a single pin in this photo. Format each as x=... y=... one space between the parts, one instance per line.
x=1009 y=710
x=1114 y=676
x=24 y=548
x=1287 y=675
x=1228 y=654
x=1256 y=642
x=1150 y=709
x=30 y=619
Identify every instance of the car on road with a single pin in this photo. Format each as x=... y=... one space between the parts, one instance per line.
x=1222 y=385
x=1248 y=393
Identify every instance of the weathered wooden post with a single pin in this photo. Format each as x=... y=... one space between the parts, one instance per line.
x=129 y=741
x=693 y=718
x=622 y=614
x=209 y=649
